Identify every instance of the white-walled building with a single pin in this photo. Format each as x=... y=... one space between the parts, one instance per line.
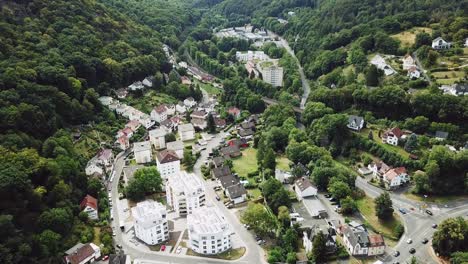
x=157 y=137
x=159 y=113
x=142 y=151
x=150 y=222
x=396 y=177
x=440 y=43
x=209 y=232
x=190 y=102
x=181 y=108
x=177 y=146
x=251 y=55
x=185 y=192
x=168 y=163
x=408 y=62
x=272 y=75
x=82 y=254
x=89 y=205
x=304 y=188
x=186 y=132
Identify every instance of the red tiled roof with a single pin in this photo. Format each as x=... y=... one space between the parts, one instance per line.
x=395 y=131
x=376 y=240
x=89 y=201
x=160 y=109
x=234 y=110
x=81 y=254
x=166 y=156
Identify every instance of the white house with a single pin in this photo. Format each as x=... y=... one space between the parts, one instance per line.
x=185 y=192
x=355 y=122
x=171 y=109
x=136 y=86
x=93 y=167
x=177 y=147
x=82 y=254
x=304 y=188
x=186 y=132
x=283 y=176
x=414 y=73
x=181 y=108
x=157 y=137
x=89 y=205
x=394 y=178
x=122 y=142
x=376 y=245
x=392 y=136
x=356 y=240
x=380 y=63
x=146 y=121
x=378 y=169
x=408 y=62
x=105 y=100
x=208 y=230
x=190 y=102
x=142 y=151
x=159 y=113
x=272 y=74
x=148 y=81
x=251 y=55
x=168 y=163
x=236 y=193
x=440 y=43
x=150 y=222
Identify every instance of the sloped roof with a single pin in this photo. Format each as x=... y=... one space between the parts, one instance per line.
x=303 y=184
x=160 y=109
x=89 y=201
x=236 y=191
x=219 y=172
x=376 y=240
x=80 y=254
x=167 y=156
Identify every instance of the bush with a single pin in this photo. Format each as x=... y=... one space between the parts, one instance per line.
x=398 y=230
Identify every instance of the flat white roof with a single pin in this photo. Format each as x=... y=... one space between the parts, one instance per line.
x=141 y=146
x=206 y=221
x=175 y=145
x=187 y=183
x=149 y=213
x=186 y=127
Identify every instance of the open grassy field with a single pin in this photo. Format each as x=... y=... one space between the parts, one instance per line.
x=210 y=89
x=282 y=163
x=247 y=163
x=408 y=37
x=151 y=99
x=366 y=206
x=435 y=198
x=448 y=77
x=399 y=150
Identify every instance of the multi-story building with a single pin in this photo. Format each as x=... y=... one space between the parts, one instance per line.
x=272 y=74
x=185 y=192
x=168 y=163
x=150 y=222
x=142 y=152
x=251 y=55
x=157 y=137
x=159 y=113
x=209 y=232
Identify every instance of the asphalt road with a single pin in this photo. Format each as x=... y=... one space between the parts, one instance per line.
x=254 y=253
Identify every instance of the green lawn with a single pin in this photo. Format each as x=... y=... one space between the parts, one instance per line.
x=254 y=193
x=375 y=132
x=367 y=208
x=282 y=163
x=408 y=37
x=246 y=163
x=448 y=77
x=210 y=89
x=435 y=198
x=151 y=99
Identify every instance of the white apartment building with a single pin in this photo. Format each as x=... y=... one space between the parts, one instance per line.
x=186 y=132
x=157 y=137
x=177 y=146
x=159 y=113
x=150 y=222
x=209 y=232
x=251 y=55
x=185 y=192
x=168 y=163
x=272 y=75
x=142 y=152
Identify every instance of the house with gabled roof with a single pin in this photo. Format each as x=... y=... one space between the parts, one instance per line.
x=392 y=136
x=356 y=241
x=378 y=169
x=303 y=188
x=82 y=254
x=89 y=205
x=168 y=163
x=355 y=122
x=396 y=177
x=236 y=193
x=376 y=245
x=439 y=43
x=159 y=113
x=408 y=62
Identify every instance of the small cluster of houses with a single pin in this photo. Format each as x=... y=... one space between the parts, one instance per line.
x=409 y=64
x=379 y=62
x=246 y=32
x=260 y=65
x=101 y=164
x=393 y=178
x=356 y=239
x=456 y=89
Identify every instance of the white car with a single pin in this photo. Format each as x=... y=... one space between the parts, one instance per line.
x=179 y=249
x=409 y=241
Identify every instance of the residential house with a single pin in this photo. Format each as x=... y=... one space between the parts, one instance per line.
x=158 y=137
x=121 y=93
x=408 y=62
x=220 y=122
x=231 y=152
x=185 y=192
x=123 y=142
x=466 y=42
x=380 y=63
x=89 y=205
x=146 y=121
x=457 y=89
x=142 y=152
x=303 y=188
x=251 y=55
x=177 y=147
x=190 y=102
x=414 y=73
x=238 y=142
x=392 y=136
x=185 y=80
x=283 y=176
x=134 y=125
x=221 y=171
x=197 y=114
x=159 y=113
x=106 y=100
x=356 y=241
x=234 y=111
x=199 y=123
x=236 y=193
x=136 y=86
x=148 y=81
x=441 y=135
x=218 y=162
x=93 y=167
x=376 y=245
x=439 y=43
x=150 y=222
x=82 y=254
x=247 y=125
x=181 y=108
x=355 y=122
x=186 y=132
x=171 y=109
x=209 y=232
x=314 y=207
x=378 y=169
x=119 y=259
x=327 y=231
x=396 y=177
x=168 y=163
x=246 y=133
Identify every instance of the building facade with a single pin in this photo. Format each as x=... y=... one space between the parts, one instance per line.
x=150 y=222
x=272 y=75
x=168 y=163
x=142 y=152
x=185 y=192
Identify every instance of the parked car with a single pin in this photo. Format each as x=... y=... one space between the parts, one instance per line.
x=217 y=198
x=396 y=254
x=119 y=246
x=434 y=225
x=106 y=257
x=409 y=241
x=402 y=210
x=327 y=195
x=230 y=206
x=332 y=199
x=412 y=250
x=428 y=212
x=163 y=247
x=179 y=249
x=425 y=240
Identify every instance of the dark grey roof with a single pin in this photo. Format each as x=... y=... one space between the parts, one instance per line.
x=218 y=161
x=356 y=236
x=236 y=191
x=356 y=119
x=441 y=134
x=221 y=171
x=230 y=150
x=461 y=88
x=117 y=259
x=246 y=132
x=228 y=180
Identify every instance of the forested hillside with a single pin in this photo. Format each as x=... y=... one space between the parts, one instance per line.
x=55 y=58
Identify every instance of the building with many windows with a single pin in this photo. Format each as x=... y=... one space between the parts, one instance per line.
x=209 y=232
x=272 y=74
x=168 y=163
x=150 y=222
x=185 y=192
